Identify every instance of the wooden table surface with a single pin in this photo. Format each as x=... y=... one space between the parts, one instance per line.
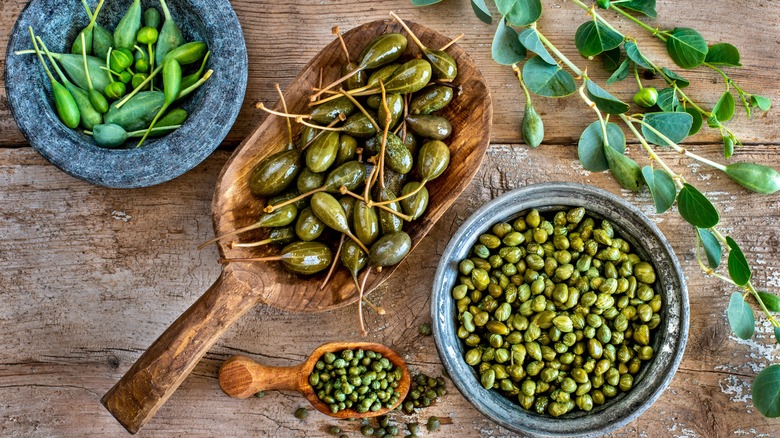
x=90 y=276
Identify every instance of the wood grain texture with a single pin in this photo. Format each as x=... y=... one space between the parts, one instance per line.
x=90 y=277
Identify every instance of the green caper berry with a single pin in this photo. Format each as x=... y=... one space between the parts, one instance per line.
x=367 y=430
x=333 y=430
x=465 y=266
x=301 y=413
x=433 y=424
x=490 y=241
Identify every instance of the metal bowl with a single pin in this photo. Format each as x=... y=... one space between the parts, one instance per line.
x=212 y=108
x=648 y=242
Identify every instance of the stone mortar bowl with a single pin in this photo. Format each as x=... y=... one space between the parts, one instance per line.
x=668 y=340
x=212 y=108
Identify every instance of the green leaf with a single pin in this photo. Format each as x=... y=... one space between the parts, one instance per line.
x=760 y=101
x=674 y=126
x=739 y=270
x=668 y=100
x=590 y=148
x=777 y=334
x=696 y=120
x=520 y=12
x=425 y=2
x=766 y=391
x=624 y=169
x=723 y=54
x=712 y=248
x=741 y=318
x=687 y=47
x=696 y=209
x=506 y=49
x=646 y=7
x=771 y=301
x=547 y=80
x=611 y=59
x=675 y=78
x=593 y=37
x=632 y=50
x=661 y=187
x=529 y=38
x=724 y=108
x=481 y=11
x=605 y=101
x=619 y=74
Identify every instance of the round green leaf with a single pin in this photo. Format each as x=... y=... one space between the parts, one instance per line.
x=520 y=12
x=547 y=80
x=696 y=120
x=760 y=101
x=724 y=108
x=661 y=187
x=621 y=72
x=591 y=145
x=481 y=11
x=646 y=7
x=755 y=177
x=506 y=49
x=675 y=78
x=771 y=301
x=593 y=37
x=712 y=248
x=741 y=318
x=675 y=126
x=723 y=54
x=624 y=169
x=668 y=100
x=605 y=101
x=696 y=209
x=687 y=47
x=766 y=391
x=529 y=38
x=739 y=270
x=632 y=50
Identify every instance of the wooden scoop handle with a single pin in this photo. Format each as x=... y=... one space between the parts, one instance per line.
x=163 y=367
x=241 y=377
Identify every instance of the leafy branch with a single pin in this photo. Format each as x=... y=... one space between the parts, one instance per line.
x=602 y=144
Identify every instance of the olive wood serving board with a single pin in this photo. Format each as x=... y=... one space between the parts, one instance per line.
x=135 y=399
x=242 y=377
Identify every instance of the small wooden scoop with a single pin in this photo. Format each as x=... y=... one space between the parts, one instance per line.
x=241 y=377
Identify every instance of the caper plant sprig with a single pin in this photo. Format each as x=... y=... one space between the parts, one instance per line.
x=602 y=144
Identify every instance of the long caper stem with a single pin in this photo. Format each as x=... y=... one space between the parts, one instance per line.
x=87 y=9
x=251 y=244
x=94 y=16
x=284 y=107
x=40 y=57
x=251 y=259
x=51 y=60
x=409 y=31
x=84 y=55
x=183 y=93
x=261 y=106
x=312 y=125
x=374 y=307
x=452 y=41
x=270 y=208
x=335 y=30
x=400 y=198
x=254 y=226
x=151 y=64
x=360 y=244
x=360 y=108
x=345 y=191
x=151 y=76
x=363 y=331
x=334 y=263
x=383 y=145
x=333 y=84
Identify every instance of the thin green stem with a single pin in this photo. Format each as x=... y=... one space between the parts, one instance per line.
x=679 y=148
x=656 y=33
x=592 y=11
x=752 y=290
x=519 y=74
x=636 y=76
x=592 y=105
x=551 y=47
x=678 y=179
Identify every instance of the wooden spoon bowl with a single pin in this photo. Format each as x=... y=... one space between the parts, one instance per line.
x=160 y=370
x=242 y=377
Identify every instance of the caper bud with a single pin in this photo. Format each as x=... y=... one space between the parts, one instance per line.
x=644 y=273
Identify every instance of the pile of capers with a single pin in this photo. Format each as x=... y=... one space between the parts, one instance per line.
x=333 y=176
x=556 y=314
x=361 y=380
x=423 y=392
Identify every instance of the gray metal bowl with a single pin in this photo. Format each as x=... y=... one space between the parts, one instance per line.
x=647 y=241
x=213 y=107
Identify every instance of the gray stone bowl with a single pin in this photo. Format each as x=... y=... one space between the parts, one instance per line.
x=212 y=108
x=669 y=339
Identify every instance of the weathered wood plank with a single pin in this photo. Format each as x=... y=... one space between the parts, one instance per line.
x=282 y=36
x=91 y=276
